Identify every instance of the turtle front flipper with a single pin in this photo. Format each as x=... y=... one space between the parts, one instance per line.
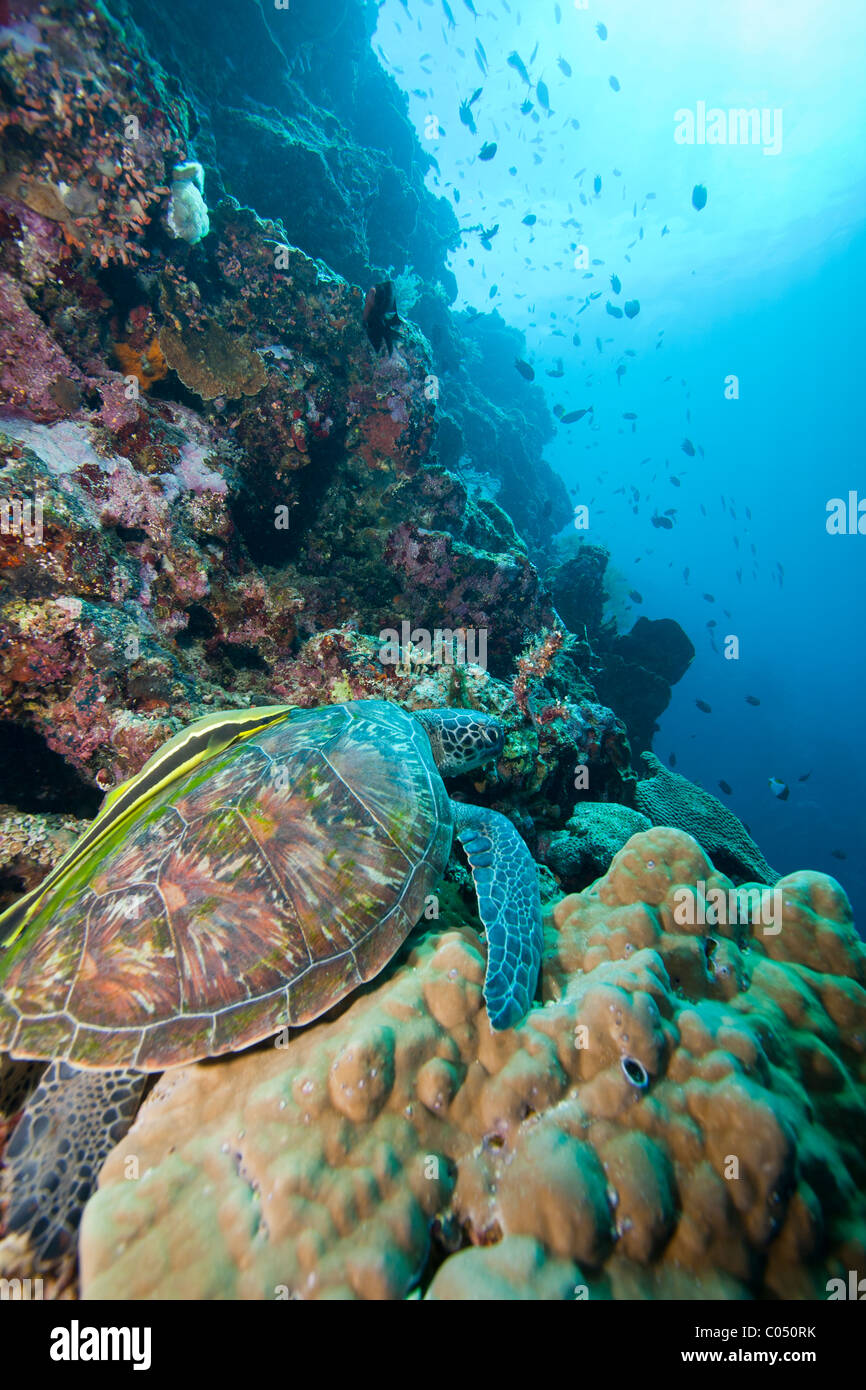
x=509 y=905
x=66 y=1131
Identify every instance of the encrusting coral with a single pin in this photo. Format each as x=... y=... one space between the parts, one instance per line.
x=666 y=798
x=683 y=1118
x=593 y=835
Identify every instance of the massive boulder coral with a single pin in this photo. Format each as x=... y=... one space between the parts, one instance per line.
x=684 y=1117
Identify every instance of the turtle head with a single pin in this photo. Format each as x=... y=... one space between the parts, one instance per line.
x=461 y=739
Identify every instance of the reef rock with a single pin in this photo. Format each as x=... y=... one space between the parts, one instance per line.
x=639 y=668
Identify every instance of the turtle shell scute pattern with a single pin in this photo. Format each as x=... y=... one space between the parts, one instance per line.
x=255 y=892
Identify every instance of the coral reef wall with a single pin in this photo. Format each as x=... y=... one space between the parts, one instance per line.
x=295 y=117
x=234 y=492
x=301 y=122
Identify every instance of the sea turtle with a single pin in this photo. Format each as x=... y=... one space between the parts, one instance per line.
x=262 y=865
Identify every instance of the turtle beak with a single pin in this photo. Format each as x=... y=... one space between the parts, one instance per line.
x=495 y=737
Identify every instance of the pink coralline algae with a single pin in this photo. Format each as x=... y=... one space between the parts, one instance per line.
x=90 y=149
x=194 y=474
x=37 y=379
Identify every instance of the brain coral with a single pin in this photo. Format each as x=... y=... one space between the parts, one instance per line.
x=666 y=798
x=683 y=1118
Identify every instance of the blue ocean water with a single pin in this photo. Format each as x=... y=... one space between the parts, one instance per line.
x=764 y=284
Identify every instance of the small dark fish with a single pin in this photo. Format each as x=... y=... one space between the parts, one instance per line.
x=564 y=67
x=712 y=623
x=805 y=777
x=629 y=415
x=614 y=82
x=573 y=416
x=557 y=14
x=686 y=574
x=614 y=311
x=534 y=54
x=635 y=596
x=524 y=369
x=543 y=96
x=479 y=49
x=675 y=480
x=601 y=30
x=672 y=760
x=615 y=284
x=65 y=393
x=703 y=706
x=478 y=90
x=596 y=183
x=752 y=700
x=530 y=219
x=632 y=308
x=471 y=7
x=381 y=319
x=559 y=411
x=710 y=598
x=525 y=107
x=515 y=61
x=838 y=854
x=448 y=15
x=663 y=521
x=726 y=788
x=779 y=789
x=487 y=150
x=688 y=448
x=467 y=117
x=699 y=197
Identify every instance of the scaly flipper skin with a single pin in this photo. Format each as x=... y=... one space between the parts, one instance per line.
x=68 y=1128
x=509 y=905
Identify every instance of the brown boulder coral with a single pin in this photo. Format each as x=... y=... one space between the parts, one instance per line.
x=684 y=1117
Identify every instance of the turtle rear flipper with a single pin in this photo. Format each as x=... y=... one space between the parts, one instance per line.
x=509 y=904
x=51 y=1163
